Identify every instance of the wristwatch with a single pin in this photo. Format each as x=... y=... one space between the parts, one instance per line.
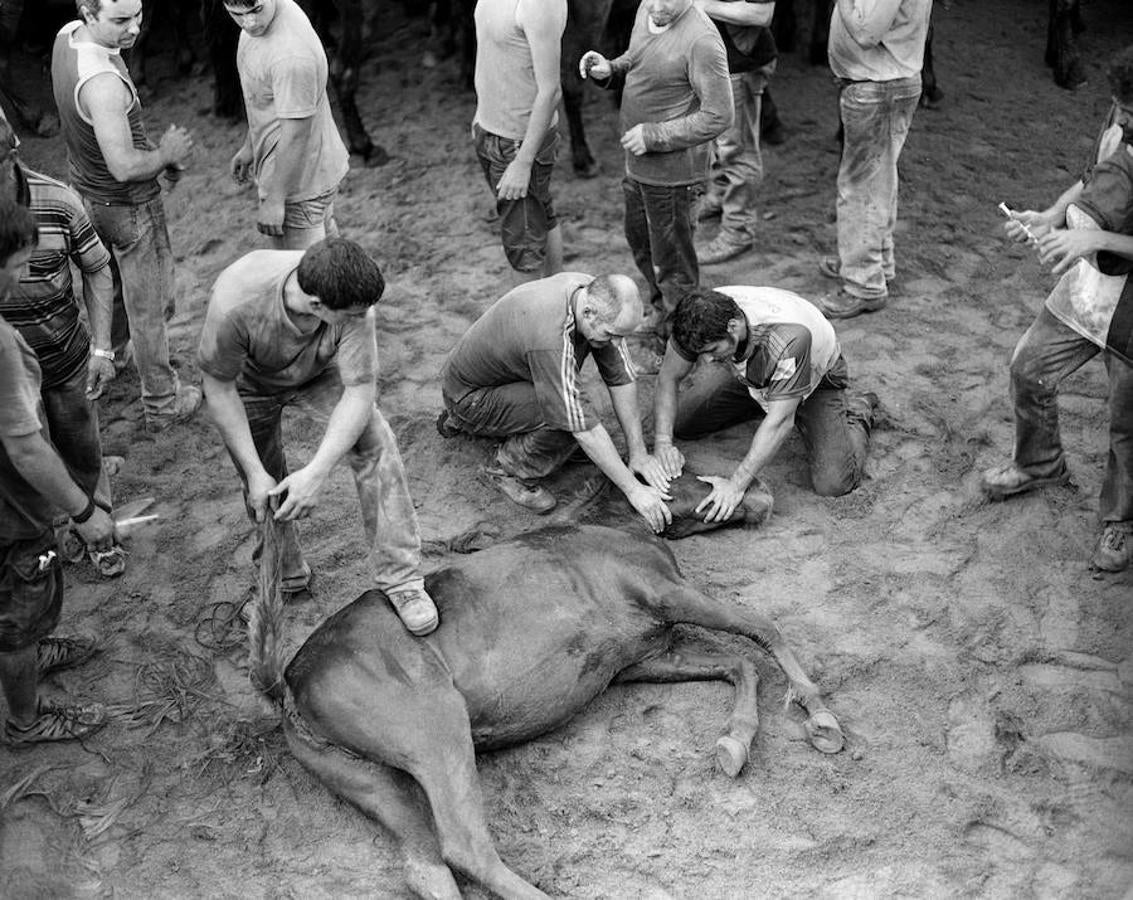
x=104 y=354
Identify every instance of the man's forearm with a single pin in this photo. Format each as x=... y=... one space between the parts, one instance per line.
x=543 y=110
x=628 y=413
x=739 y=12
x=1117 y=244
x=868 y=21
x=227 y=411
x=598 y=445
x=348 y=420
x=98 y=297
x=1056 y=213
x=768 y=438
x=40 y=466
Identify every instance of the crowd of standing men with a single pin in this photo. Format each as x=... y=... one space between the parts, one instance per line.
x=294 y=325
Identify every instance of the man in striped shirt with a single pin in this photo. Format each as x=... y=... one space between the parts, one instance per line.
x=515 y=375
x=42 y=306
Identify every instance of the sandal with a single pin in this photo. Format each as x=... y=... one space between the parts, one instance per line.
x=57 y=723
x=55 y=653
x=1008 y=480
x=109 y=563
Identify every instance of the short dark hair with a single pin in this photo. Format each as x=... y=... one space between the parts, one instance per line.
x=17 y=229
x=341 y=274
x=702 y=318
x=242 y=4
x=94 y=7
x=1119 y=71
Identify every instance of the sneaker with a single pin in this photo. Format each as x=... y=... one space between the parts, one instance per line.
x=446 y=425
x=1001 y=482
x=1114 y=549
x=416 y=609
x=55 y=653
x=57 y=723
x=182 y=409
x=530 y=496
x=844 y=305
x=721 y=249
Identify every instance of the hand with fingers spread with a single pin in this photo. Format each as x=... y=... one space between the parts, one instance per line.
x=723 y=500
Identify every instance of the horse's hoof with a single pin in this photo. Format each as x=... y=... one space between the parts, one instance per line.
x=730 y=755
x=375 y=156
x=824 y=732
x=589 y=169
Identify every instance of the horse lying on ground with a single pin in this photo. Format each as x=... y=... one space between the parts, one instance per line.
x=531 y=630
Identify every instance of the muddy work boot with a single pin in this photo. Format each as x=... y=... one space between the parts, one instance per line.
x=1001 y=482
x=57 y=723
x=416 y=609
x=55 y=653
x=1114 y=548
x=182 y=409
x=528 y=494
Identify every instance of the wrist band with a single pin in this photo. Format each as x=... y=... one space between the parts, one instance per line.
x=104 y=354
x=87 y=512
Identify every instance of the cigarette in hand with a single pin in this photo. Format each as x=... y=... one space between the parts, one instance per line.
x=1006 y=210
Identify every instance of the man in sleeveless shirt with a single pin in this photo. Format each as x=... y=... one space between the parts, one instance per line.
x=114 y=166
x=293 y=150
x=518 y=47
x=769 y=355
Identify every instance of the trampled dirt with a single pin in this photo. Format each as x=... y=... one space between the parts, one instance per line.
x=983 y=676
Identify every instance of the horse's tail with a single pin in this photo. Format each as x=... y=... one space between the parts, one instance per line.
x=265 y=643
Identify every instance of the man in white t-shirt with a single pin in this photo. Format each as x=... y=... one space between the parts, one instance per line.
x=293 y=149
x=770 y=355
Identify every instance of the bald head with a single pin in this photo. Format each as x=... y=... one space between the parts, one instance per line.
x=610 y=296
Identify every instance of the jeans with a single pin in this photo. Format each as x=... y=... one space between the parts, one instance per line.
x=876 y=116
x=142 y=265
x=388 y=518
x=72 y=421
x=836 y=441
x=659 y=225
x=529 y=450
x=738 y=169
x=1046 y=354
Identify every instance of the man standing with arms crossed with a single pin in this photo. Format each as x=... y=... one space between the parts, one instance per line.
x=518 y=48
x=114 y=167
x=677 y=98
x=293 y=150
x=876 y=52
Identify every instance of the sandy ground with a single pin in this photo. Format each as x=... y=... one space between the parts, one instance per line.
x=983 y=676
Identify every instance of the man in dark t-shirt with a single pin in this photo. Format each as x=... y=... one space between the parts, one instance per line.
x=515 y=375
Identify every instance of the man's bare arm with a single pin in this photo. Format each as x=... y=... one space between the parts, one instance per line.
x=106 y=100
x=648 y=501
x=738 y=12
x=227 y=412
x=868 y=21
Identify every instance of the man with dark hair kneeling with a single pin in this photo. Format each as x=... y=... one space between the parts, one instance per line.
x=288 y=327
x=34 y=485
x=770 y=353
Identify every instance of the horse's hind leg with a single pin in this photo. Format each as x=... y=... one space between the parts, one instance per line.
x=676 y=665
x=393 y=799
x=683 y=603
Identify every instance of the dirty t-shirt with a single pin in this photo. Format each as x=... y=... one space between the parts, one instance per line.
x=529 y=335
x=250 y=337
x=283 y=75
x=23 y=512
x=795 y=345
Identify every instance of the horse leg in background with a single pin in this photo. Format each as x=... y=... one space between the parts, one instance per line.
x=683 y=603
x=24 y=113
x=393 y=799
x=931 y=94
x=344 y=74
x=222 y=37
x=586 y=22
x=1063 y=26
x=676 y=665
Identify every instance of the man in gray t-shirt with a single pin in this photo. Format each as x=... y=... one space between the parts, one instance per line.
x=293 y=149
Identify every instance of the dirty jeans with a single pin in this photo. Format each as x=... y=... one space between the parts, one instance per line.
x=530 y=450
x=836 y=441
x=659 y=225
x=738 y=168
x=876 y=116
x=72 y=422
x=388 y=519
x=142 y=265
x=1046 y=354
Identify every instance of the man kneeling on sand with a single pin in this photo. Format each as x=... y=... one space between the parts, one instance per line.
x=772 y=356
x=286 y=328
x=515 y=375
